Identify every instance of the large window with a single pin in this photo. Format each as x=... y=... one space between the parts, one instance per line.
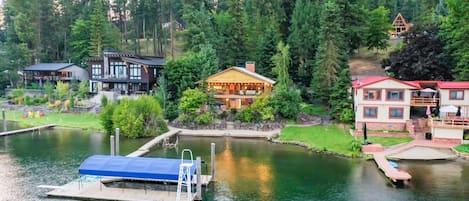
x=396 y=113
x=135 y=72
x=370 y=112
x=118 y=70
x=456 y=95
x=96 y=71
x=395 y=95
x=372 y=94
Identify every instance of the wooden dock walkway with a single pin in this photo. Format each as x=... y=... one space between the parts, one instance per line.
x=146 y=147
x=390 y=172
x=19 y=131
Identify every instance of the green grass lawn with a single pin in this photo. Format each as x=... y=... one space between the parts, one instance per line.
x=389 y=141
x=84 y=120
x=330 y=138
x=464 y=148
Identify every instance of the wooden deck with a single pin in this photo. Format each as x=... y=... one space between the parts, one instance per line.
x=424 y=101
x=20 y=131
x=390 y=172
x=146 y=147
x=462 y=123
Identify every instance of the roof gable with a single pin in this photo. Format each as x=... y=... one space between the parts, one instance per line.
x=399 y=20
x=372 y=80
x=238 y=75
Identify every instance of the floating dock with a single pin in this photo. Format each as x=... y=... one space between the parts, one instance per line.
x=19 y=131
x=146 y=147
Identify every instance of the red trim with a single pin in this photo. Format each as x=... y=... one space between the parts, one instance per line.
x=380 y=94
x=370 y=117
x=456 y=91
x=398 y=108
x=374 y=79
x=400 y=90
x=453 y=85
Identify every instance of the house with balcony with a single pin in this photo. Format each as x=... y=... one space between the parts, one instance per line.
x=124 y=73
x=236 y=87
x=383 y=103
x=53 y=72
x=388 y=104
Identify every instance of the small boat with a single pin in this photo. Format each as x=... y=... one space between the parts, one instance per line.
x=393 y=164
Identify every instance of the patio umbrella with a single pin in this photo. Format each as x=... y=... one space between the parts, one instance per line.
x=429 y=112
x=449 y=108
x=430 y=90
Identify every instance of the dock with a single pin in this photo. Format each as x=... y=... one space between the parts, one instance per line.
x=146 y=147
x=98 y=189
x=392 y=173
x=20 y=131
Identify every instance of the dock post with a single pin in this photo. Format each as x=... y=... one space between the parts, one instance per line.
x=4 y=120
x=117 y=141
x=113 y=151
x=198 y=195
x=212 y=160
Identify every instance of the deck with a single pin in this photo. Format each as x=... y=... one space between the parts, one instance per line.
x=19 y=131
x=424 y=101
x=462 y=123
x=390 y=172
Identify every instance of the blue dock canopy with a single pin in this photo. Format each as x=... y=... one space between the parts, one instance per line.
x=133 y=167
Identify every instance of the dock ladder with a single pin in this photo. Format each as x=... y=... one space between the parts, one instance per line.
x=185 y=176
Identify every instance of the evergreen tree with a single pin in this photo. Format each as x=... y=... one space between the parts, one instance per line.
x=377 y=34
x=329 y=59
x=456 y=34
x=340 y=98
x=102 y=33
x=236 y=47
x=282 y=62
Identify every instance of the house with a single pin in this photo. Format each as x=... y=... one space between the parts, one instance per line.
x=53 y=72
x=124 y=73
x=236 y=87
x=385 y=104
x=399 y=26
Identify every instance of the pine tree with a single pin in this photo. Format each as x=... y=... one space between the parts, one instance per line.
x=236 y=42
x=377 y=34
x=282 y=62
x=340 y=97
x=329 y=59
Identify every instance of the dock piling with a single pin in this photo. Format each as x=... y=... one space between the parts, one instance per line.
x=198 y=195
x=113 y=151
x=117 y=141
x=4 y=120
x=212 y=160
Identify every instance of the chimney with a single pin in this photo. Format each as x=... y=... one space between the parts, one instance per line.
x=251 y=66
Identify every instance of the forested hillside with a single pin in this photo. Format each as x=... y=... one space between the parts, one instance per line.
x=208 y=35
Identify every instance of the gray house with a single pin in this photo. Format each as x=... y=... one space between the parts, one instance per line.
x=53 y=72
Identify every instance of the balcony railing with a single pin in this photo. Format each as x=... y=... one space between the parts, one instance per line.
x=424 y=101
x=450 y=123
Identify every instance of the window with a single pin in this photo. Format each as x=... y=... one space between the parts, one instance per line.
x=370 y=112
x=135 y=72
x=456 y=95
x=396 y=113
x=372 y=94
x=395 y=95
x=96 y=71
x=118 y=69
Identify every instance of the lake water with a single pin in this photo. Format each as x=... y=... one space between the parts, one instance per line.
x=246 y=169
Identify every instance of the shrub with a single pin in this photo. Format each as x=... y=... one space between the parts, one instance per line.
x=27 y=100
x=106 y=118
x=171 y=111
x=355 y=147
x=204 y=118
x=286 y=103
x=192 y=100
x=104 y=101
x=246 y=115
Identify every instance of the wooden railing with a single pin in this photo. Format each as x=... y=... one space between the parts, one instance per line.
x=450 y=123
x=423 y=101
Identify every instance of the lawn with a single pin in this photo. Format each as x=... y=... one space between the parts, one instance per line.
x=330 y=138
x=464 y=148
x=84 y=120
x=389 y=141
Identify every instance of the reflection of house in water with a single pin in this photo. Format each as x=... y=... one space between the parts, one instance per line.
x=232 y=168
x=400 y=26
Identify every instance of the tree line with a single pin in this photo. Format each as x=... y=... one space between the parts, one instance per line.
x=319 y=35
